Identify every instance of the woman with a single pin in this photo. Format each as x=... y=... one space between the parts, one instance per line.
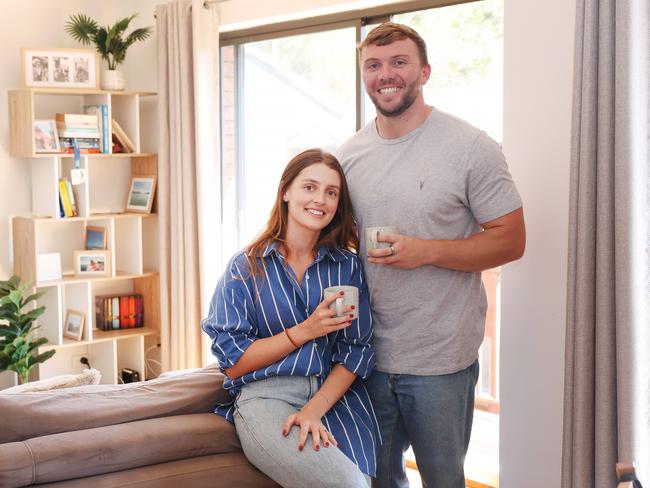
x=289 y=361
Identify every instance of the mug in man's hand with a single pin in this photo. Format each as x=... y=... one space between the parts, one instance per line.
x=372 y=235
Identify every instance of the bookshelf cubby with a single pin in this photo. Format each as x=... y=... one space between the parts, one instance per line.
x=132 y=239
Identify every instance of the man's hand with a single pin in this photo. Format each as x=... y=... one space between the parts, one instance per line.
x=501 y=241
x=404 y=252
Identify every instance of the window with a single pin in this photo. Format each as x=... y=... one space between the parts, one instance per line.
x=286 y=91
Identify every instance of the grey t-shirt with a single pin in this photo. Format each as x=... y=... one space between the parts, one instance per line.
x=437 y=182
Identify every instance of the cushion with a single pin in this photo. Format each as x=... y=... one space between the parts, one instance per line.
x=88 y=377
x=227 y=470
x=115 y=448
x=27 y=415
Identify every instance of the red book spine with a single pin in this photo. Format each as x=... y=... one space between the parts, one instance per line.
x=131 y=311
x=124 y=312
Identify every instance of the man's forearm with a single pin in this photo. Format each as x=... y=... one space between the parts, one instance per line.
x=494 y=246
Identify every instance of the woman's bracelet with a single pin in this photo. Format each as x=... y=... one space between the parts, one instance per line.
x=329 y=404
x=286 y=331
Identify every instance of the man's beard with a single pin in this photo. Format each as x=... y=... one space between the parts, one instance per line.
x=407 y=101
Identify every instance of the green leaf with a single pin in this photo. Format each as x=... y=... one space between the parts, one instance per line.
x=81 y=28
x=15 y=296
x=121 y=25
x=35 y=313
x=107 y=40
x=138 y=35
x=35 y=296
x=41 y=357
x=14 y=281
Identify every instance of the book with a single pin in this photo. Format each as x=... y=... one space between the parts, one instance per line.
x=86 y=146
x=131 y=319
x=102 y=312
x=84 y=150
x=124 y=312
x=139 y=311
x=65 y=198
x=73 y=202
x=122 y=138
x=79 y=119
x=115 y=306
x=80 y=142
x=84 y=134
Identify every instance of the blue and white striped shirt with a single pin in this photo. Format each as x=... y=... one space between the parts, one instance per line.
x=238 y=317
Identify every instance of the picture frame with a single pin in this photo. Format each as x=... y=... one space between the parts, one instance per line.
x=60 y=68
x=88 y=263
x=95 y=238
x=141 y=194
x=46 y=136
x=74 y=324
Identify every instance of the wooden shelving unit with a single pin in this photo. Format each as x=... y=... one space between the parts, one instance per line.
x=101 y=200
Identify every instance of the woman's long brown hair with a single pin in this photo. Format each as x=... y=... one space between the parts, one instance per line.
x=340 y=233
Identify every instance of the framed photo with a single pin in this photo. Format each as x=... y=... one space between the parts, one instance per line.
x=95 y=238
x=74 y=324
x=92 y=263
x=141 y=193
x=60 y=68
x=46 y=137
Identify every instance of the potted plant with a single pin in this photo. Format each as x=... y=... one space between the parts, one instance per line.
x=17 y=351
x=109 y=43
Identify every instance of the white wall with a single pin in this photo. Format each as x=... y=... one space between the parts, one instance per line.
x=538 y=64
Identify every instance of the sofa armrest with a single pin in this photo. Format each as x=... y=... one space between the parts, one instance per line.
x=27 y=415
x=114 y=448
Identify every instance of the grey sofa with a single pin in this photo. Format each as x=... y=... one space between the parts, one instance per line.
x=159 y=433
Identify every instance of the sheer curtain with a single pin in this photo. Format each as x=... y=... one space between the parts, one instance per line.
x=189 y=181
x=607 y=381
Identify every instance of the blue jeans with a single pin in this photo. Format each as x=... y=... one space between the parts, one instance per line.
x=431 y=413
x=261 y=409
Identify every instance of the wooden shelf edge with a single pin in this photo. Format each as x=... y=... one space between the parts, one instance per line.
x=107 y=335
x=102 y=336
x=126 y=215
x=81 y=91
x=93 y=156
x=71 y=280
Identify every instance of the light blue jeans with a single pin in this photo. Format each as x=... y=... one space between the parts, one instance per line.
x=434 y=415
x=261 y=409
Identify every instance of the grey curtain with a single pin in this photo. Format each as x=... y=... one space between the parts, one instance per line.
x=607 y=380
x=188 y=55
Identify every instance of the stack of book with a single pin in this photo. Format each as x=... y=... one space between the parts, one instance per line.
x=101 y=112
x=118 y=312
x=79 y=129
x=67 y=204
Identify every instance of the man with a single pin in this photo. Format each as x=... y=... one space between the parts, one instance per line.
x=446 y=186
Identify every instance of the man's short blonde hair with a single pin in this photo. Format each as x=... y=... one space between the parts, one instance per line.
x=389 y=32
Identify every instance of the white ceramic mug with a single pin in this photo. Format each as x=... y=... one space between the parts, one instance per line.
x=350 y=297
x=372 y=234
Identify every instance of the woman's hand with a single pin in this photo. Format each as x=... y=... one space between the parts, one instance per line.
x=322 y=322
x=309 y=421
